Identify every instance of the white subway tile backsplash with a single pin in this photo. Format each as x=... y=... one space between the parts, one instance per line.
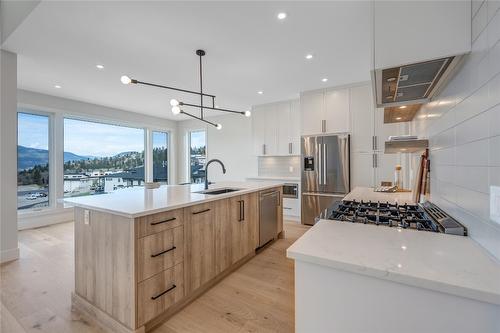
x=494 y=176
x=494 y=120
x=494 y=151
x=479 y=21
x=279 y=166
x=493 y=6
x=474 y=202
x=476 y=4
x=464 y=142
x=473 y=129
x=474 y=178
x=472 y=154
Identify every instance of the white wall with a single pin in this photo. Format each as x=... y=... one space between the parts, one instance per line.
x=463 y=126
x=232 y=144
x=8 y=157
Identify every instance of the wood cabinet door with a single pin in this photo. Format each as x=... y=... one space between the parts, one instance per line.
x=200 y=245
x=245 y=226
x=337 y=113
x=280 y=211
x=312 y=112
x=223 y=233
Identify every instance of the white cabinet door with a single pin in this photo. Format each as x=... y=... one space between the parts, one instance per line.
x=362 y=116
x=271 y=131
x=258 y=129
x=282 y=126
x=312 y=110
x=362 y=171
x=337 y=111
x=294 y=128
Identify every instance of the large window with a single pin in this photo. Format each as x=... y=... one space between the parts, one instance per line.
x=32 y=161
x=101 y=158
x=160 y=157
x=197 y=156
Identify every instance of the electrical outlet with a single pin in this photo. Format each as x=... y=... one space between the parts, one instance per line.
x=86 y=217
x=495 y=204
x=290 y=169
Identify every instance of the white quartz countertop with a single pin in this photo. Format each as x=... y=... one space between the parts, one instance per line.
x=440 y=262
x=139 y=201
x=367 y=194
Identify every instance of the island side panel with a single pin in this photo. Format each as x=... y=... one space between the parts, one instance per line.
x=104 y=264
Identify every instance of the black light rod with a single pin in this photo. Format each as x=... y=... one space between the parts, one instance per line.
x=171 y=88
x=211 y=108
x=195 y=117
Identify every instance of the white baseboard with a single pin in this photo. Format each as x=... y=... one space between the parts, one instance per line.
x=41 y=219
x=9 y=255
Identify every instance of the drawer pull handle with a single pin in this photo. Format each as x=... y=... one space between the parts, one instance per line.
x=201 y=211
x=163 y=292
x=162 y=252
x=167 y=220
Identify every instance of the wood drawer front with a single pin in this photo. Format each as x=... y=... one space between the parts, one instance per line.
x=158 y=293
x=160 y=251
x=152 y=224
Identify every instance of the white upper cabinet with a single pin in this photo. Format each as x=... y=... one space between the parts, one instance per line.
x=276 y=129
x=325 y=111
x=312 y=106
x=362 y=115
x=414 y=31
x=337 y=111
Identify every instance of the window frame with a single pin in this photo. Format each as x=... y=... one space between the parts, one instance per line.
x=190 y=131
x=52 y=160
x=150 y=131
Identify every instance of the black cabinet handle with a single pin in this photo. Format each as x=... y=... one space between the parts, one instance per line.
x=201 y=211
x=162 y=252
x=243 y=210
x=240 y=216
x=163 y=292
x=167 y=220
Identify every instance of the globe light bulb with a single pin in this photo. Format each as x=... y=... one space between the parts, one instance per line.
x=174 y=102
x=248 y=113
x=176 y=110
x=125 y=79
x=219 y=126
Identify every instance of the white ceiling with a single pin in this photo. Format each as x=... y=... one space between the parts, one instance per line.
x=248 y=49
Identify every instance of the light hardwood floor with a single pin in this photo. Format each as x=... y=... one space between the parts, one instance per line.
x=35 y=291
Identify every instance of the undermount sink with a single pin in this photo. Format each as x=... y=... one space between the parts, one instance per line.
x=219 y=191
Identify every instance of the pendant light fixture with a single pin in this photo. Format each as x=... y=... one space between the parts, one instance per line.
x=178 y=106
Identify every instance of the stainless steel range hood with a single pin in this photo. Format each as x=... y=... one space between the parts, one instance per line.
x=413 y=83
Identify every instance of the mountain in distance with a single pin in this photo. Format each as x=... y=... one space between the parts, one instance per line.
x=29 y=157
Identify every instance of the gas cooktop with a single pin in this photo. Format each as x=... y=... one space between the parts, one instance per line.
x=425 y=217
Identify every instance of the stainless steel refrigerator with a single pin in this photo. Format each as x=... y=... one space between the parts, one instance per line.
x=325 y=173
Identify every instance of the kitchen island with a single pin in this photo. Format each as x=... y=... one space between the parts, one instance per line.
x=142 y=254
x=354 y=277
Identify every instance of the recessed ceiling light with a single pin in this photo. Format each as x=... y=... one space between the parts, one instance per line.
x=402 y=107
x=309 y=56
x=281 y=16
x=324 y=79
x=398 y=118
x=99 y=66
x=57 y=86
x=260 y=92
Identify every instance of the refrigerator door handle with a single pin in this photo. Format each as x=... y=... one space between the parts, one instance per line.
x=324 y=164
x=320 y=164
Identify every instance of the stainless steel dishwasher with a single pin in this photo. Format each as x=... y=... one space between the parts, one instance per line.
x=268 y=225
